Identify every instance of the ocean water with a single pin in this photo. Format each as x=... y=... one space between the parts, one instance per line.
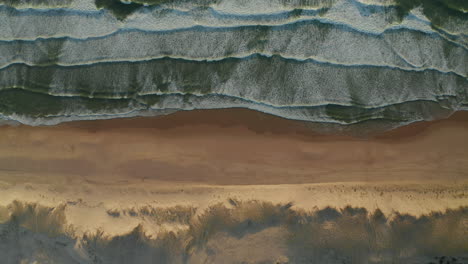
x=328 y=61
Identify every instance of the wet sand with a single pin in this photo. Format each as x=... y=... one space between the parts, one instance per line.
x=231 y=147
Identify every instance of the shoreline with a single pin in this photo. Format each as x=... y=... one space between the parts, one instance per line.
x=232 y=147
x=207 y=157
x=173 y=174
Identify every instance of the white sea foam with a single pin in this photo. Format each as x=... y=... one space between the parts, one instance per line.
x=283 y=58
x=80 y=24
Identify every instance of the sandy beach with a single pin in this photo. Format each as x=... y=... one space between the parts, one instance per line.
x=147 y=180
x=233 y=153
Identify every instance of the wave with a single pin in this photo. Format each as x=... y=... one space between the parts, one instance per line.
x=448 y=100
x=232 y=56
x=232 y=5
x=36 y=3
x=22 y=105
x=274 y=80
x=295 y=90
x=340 y=62
x=236 y=56
x=101 y=24
x=319 y=43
